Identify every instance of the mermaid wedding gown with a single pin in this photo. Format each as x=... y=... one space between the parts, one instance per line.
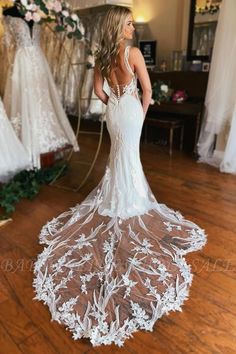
x=13 y=157
x=31 y=98
x=115 y=263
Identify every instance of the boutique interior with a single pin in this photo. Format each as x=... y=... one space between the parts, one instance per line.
x=54 y=148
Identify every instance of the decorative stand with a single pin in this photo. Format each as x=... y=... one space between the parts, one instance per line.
x=68 y=151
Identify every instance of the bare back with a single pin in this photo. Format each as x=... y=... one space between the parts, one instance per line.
x=122 y=74
x=122 y=78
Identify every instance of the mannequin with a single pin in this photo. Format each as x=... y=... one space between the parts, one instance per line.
x=14 y=12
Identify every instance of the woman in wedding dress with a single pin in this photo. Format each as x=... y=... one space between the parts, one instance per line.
x=115 y=263
x=13 y=157
x=31 y=98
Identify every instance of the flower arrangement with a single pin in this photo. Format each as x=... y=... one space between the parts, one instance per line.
x=60 y=12
x=179 y=96
x=161 y=92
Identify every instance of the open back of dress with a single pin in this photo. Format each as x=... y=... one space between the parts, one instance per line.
x=123 y=80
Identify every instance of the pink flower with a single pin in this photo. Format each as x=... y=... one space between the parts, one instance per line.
x=36 y=17
x=69 y=29
x=57 y=6
x=28 y=16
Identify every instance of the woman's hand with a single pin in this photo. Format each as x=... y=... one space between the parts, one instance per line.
x=137 y=61
x=98 y=85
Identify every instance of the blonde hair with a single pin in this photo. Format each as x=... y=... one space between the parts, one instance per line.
x=111 y=37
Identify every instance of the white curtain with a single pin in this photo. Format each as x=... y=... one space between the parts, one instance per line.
x=220 y=102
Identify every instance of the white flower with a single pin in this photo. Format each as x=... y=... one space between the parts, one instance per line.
x=30 y=7
x=65 y=13
x=152 y=101
x=81 y=28
x=24 y=2
x=91 y=60
x=74 y=17
x=49 y=5
x=164 y=88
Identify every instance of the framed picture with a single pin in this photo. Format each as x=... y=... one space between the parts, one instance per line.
x=205 y=66
x=148 y=49
x=196 y=65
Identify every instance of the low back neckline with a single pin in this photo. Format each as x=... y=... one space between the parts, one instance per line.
x=124 y=86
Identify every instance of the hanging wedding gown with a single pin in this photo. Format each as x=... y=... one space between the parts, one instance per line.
x=13 y=157
x=114 y=263
x=31 y=98
x=220 y=103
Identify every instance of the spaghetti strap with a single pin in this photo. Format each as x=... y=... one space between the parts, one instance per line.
x=127 y=60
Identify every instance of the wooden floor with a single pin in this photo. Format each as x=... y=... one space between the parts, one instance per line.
x=208 y=321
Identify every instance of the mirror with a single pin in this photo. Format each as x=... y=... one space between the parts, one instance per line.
x=202 y=27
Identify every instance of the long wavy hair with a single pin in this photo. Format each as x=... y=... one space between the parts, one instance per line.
x=111 y=37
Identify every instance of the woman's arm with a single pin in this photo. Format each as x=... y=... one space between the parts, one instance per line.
x=98 y=85
x=137 y=61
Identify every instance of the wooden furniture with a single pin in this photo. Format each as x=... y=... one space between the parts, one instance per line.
x=49 y=158
x=171 y=125
x=190 y=111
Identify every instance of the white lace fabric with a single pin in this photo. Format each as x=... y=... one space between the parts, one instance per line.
x=31 y=98
x=114 y=264
x=13 y=157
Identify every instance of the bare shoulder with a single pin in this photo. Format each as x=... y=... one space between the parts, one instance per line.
x=135 y=51
x=135 y=55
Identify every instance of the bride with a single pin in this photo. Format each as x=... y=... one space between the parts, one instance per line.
x=115 y=263
x=13 y=157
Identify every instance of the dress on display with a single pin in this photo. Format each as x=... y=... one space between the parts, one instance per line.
x=13 y=157
x=31 y=98
x=115 y=264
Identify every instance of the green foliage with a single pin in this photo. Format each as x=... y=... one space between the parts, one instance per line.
x=161 y=91
x=26 y=184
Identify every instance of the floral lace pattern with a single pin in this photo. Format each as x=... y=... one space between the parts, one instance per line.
x=21 y=31
x=37 y=113
x=115 y=264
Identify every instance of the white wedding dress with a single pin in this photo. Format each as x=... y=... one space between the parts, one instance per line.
x=31 y=98
x=13 y=157
x=115 y=263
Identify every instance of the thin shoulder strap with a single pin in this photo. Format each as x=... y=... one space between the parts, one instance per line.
x=127 y=60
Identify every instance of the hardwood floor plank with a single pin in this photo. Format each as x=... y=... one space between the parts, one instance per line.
x=16 y=321
x=7 y=345
x=37 y=344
